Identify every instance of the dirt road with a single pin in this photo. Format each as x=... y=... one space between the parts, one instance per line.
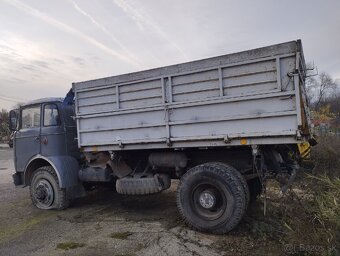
x=105 y=223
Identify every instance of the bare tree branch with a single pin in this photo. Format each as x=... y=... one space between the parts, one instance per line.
x=320 y=88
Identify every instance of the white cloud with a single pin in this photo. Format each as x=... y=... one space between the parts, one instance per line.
x=107 y=32
x=47 y=45
x=143 y=21
x=66 y=28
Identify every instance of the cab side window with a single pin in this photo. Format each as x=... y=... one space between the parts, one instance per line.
x=31 y=117
x=51 y=115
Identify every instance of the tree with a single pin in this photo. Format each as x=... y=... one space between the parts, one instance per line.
x=324 y=97
x=324 y=114
x=320 y=89
x=334 y=105
x=4 y=129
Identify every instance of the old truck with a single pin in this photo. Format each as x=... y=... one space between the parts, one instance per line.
x=222 y=126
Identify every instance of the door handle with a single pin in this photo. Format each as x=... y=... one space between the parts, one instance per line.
x=37 y=138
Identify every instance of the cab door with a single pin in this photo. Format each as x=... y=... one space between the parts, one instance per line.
x=52 y=131
x=27 y=137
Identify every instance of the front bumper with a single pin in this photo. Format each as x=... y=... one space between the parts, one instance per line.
x=18 y=179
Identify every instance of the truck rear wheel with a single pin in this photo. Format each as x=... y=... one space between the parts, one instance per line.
x=211 y=198
x=45 y=191
x=241 y=178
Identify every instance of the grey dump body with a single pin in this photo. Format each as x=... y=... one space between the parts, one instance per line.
x=252 y=97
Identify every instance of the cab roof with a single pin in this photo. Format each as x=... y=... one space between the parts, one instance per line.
x=42 y=100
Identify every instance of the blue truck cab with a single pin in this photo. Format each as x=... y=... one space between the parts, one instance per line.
x=45 y=139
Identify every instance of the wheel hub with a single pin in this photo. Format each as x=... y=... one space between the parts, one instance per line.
x=41 y=192
x=44 y=193
x=207 y=199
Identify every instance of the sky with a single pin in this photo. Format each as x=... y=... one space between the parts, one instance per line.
x=47 y=45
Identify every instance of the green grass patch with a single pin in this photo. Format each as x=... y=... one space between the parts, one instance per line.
x=16 y=229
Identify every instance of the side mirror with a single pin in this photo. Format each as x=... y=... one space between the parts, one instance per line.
x=13 y=120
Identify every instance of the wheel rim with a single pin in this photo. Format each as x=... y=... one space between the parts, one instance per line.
x=208 y=201
x=43 y=193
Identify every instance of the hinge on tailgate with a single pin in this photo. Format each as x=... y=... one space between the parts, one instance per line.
x=227 y=140
x=298 y=135
x=168 y=142
x=120 y=144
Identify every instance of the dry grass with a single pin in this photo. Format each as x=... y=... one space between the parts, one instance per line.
x=326 y=156
x=312 y=216
x=307 y=217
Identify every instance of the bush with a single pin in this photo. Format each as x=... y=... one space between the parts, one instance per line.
x=326 y=156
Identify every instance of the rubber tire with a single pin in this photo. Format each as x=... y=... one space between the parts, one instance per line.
x=60 y=201
x=222 y=176
x=143 y=186
x=240 y=177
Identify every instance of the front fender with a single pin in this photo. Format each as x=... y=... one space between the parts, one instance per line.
x=66 y=168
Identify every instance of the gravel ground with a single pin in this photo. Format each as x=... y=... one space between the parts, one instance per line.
x=105 y=223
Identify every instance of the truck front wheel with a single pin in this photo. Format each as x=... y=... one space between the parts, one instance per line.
x=211 y=198
x=45 y=191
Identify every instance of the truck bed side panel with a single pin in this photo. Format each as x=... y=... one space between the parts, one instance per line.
x=213 y=102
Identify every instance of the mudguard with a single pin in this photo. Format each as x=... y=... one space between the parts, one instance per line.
x=66 y=168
